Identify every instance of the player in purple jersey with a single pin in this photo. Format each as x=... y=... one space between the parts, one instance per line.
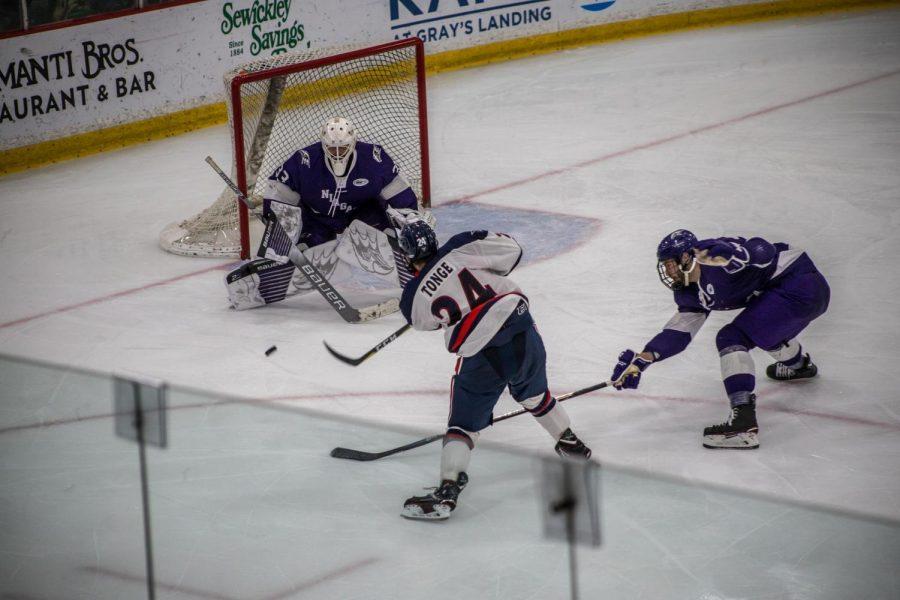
x=337 y=185
x=780 y=291
x=463 y=288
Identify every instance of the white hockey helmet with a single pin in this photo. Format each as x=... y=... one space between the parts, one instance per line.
x=338 y=142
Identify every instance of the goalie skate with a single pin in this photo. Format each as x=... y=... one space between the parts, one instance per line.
x=437 y=505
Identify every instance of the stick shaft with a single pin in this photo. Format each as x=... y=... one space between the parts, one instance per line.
x=362 y=455
x=561 y=398
x=355 y=361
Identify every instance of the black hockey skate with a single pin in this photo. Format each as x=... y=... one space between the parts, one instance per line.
x=739 y=432
x=781 y=372
x=569 y=446
x=438 y=504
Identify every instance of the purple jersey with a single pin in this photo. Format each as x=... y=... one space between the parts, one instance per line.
x=330 y=203
x=751 y=270
x=754 y=264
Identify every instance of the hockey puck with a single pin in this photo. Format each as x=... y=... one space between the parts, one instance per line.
x=271 y=350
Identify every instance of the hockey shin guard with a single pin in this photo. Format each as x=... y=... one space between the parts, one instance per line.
x=456 y=452
x=548 y=413
x=738 y=371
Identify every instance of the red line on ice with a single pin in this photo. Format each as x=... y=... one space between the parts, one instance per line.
x=111 y=296
x=517 y=183
x=677 y=136
x=140 y=579
x=334 y=574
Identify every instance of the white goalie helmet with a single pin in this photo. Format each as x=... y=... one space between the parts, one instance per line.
x=338 y=142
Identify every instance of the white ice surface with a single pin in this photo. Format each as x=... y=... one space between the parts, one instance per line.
x=784 y=130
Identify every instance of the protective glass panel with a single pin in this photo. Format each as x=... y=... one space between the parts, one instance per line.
x=666 y=539
x=70 y=491
x=246 y=502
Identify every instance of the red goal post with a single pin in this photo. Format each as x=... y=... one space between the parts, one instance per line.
x=277 y=105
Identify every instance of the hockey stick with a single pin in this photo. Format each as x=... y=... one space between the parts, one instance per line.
x=337 y=302
x=355 y=361
x=361 y=455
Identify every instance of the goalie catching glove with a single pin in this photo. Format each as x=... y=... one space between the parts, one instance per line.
x=627 y=372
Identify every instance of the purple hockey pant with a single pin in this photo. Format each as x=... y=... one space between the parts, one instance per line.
x=786 y=307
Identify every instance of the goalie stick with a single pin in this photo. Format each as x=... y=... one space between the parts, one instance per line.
x=355 y=361
x=361 y=455
x=337 y=302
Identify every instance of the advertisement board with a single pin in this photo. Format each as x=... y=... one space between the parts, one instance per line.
x=106 y=73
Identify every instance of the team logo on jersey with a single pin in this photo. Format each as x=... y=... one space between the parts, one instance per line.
x=304 y=157
x=738 y=261
x=706 y=296
x=360 y=182
x=376 y=153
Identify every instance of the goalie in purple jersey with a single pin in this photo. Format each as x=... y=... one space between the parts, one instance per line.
x=780 y=291
x=462 y=287
x=338 y=185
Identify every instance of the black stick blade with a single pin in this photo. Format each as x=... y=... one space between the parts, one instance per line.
x=344 y=359
x=350 y=454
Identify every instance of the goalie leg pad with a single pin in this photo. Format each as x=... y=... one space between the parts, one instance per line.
x=258 y=282
x=367 y=248
x=323 y=258
x=283 y=224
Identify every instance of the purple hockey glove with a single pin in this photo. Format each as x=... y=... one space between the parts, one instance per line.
x=627 y=372
x=716 y=248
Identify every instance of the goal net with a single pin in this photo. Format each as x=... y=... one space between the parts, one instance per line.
x=278 y=105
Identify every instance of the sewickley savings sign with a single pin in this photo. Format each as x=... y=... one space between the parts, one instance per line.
x=265 y=27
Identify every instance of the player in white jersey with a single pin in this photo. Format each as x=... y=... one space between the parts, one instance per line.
x=463 y=288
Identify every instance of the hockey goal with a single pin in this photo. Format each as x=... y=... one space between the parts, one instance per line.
x=278 y=104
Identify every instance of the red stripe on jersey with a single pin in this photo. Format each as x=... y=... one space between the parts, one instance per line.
x=465 y=327
x=459 y=362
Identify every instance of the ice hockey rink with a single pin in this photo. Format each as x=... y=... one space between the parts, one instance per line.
x=789 y=130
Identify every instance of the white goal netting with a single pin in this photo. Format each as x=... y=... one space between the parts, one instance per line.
x=282 y=102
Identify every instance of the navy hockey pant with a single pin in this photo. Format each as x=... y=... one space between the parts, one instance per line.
x=519 y=363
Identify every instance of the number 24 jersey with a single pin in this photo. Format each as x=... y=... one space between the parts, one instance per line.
x=464 y=289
